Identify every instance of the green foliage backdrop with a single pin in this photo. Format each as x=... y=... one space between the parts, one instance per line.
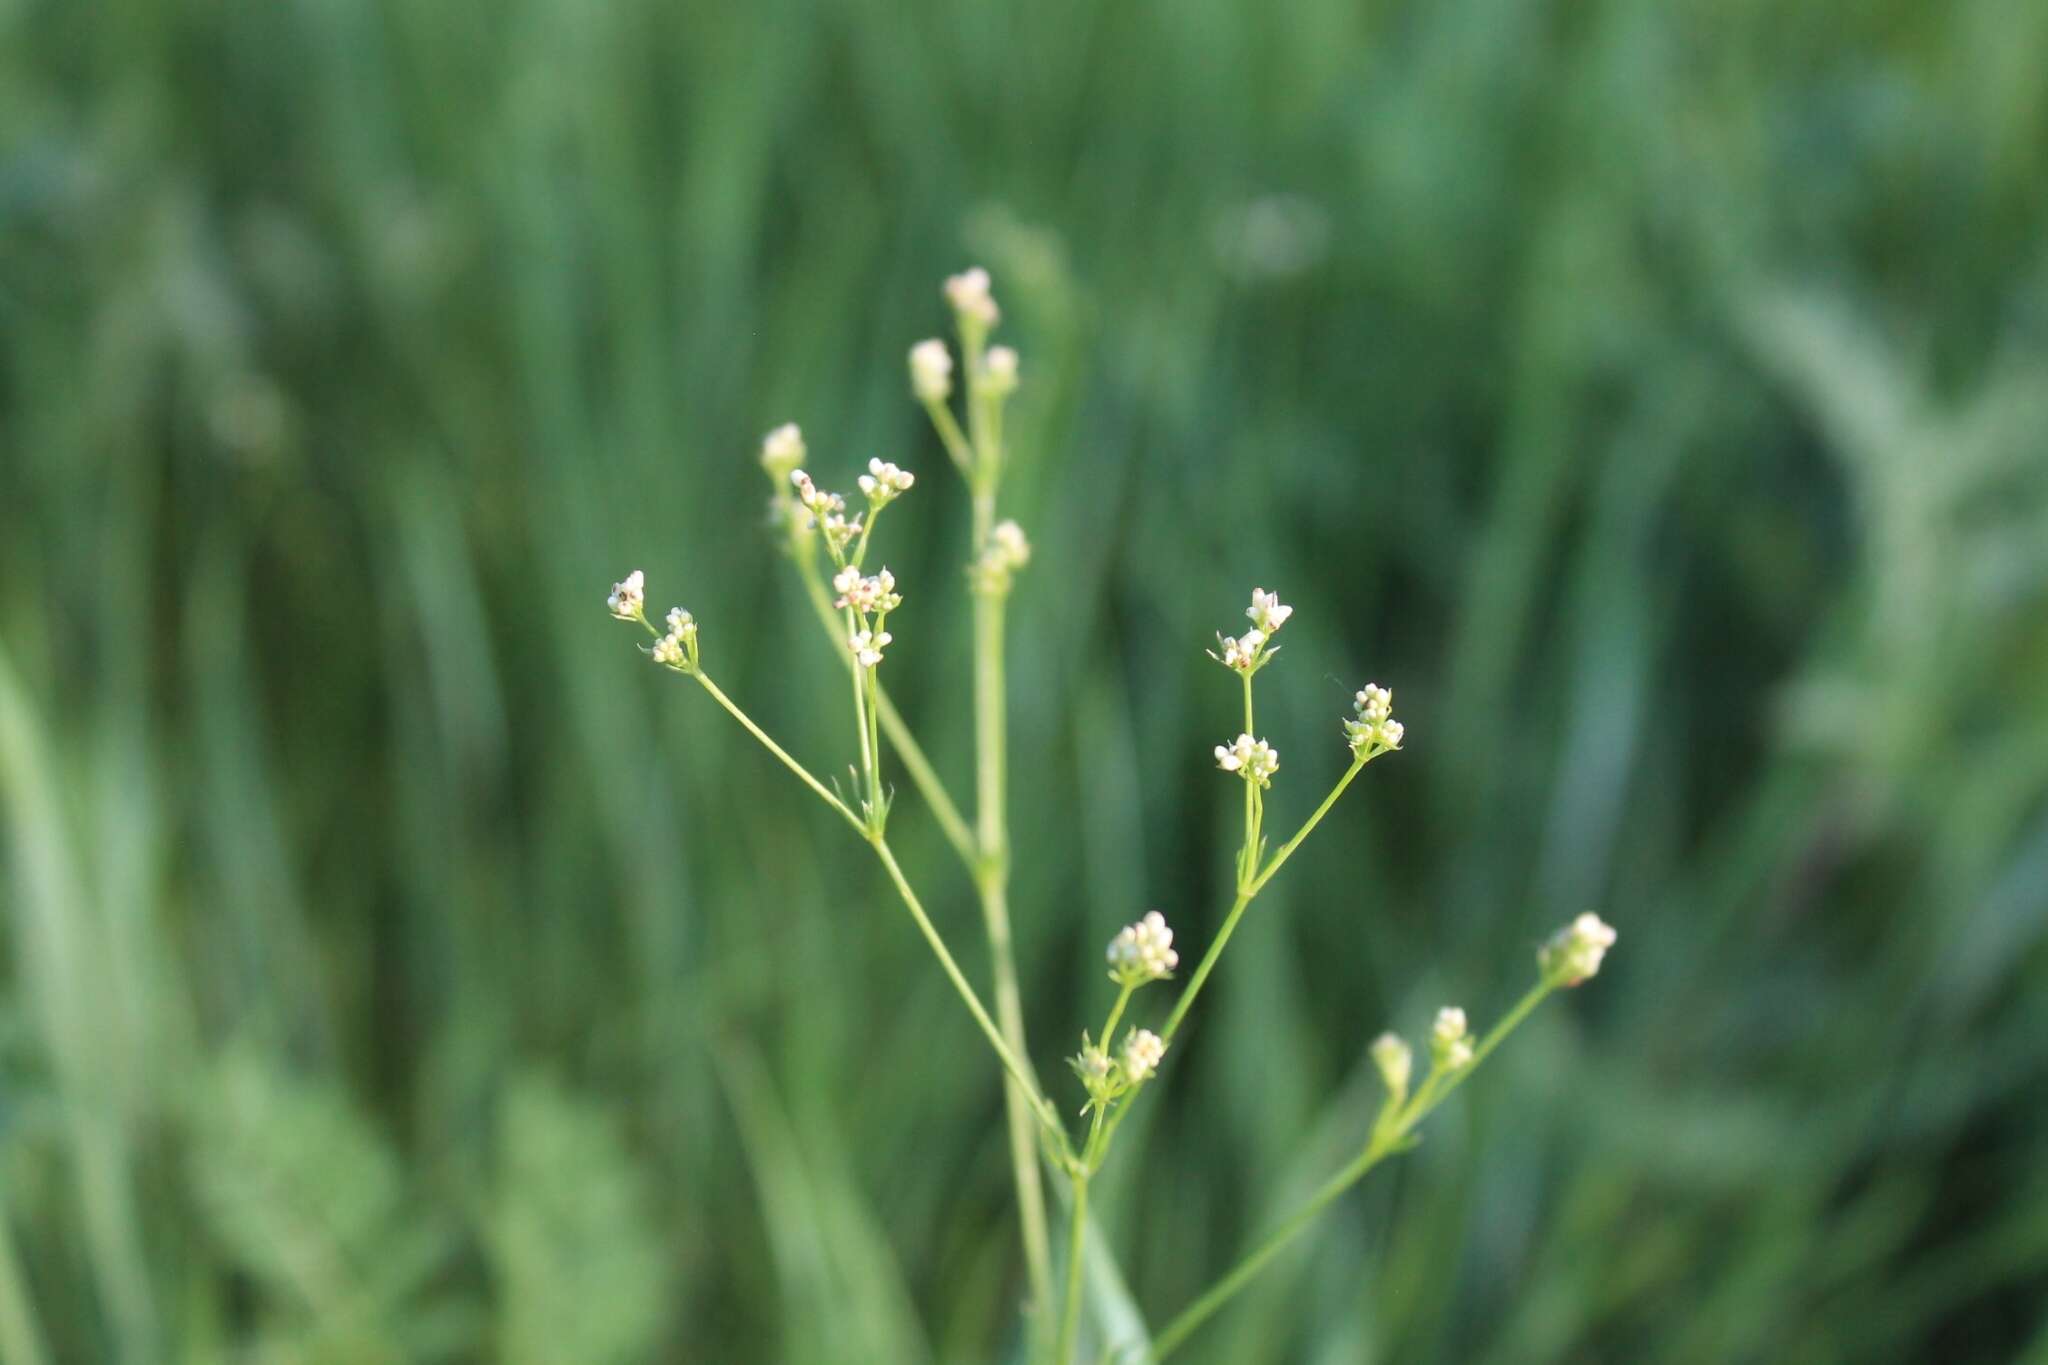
x=1654 y=392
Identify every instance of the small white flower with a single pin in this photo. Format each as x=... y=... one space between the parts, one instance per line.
x=866 y=595
x=1007 y=538
x=782 y=451
x=1396 y=1063
x=628 y=600
x=1450 y=1024
x=1143 y=951
x=1574 y=953
x=1093 y=1064
x=839 y=532
x=999 y=370
x=883 y=586
x=1241 y=653
x=1253 y=759
x=1266 y=612
x=1374 y=730
x=969 y=295
x=1449 y=1041
x=820 y=503
x=1006 y=552
x=868 y=645
x=884 y=482
x=1142 y=1051
x=847 y=583
x=931 y=371
x=678 y=648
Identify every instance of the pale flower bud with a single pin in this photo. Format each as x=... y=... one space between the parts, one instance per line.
x=782 y=451
x=999 y=370
x=1448 y=1040
x=931 y=371
x=1574 y=953
x=1007 y=537
x=968 y=293
x=1396 y=1063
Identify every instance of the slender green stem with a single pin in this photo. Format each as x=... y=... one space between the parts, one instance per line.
x=1116 y=1014
x=1077 y=1238
x=1248 y=856
x=992 y=865
x=874 y=736
x=824 y=793
x=1509 y=1022
x=1199 y=1312
x=1204 y=967
x=1308 y=826
x=1387 y=1138
x=1247 y=890
x=908 y=751
x=950 y=433
x=850 y=623
x=1040 y=1105
x=867 y=529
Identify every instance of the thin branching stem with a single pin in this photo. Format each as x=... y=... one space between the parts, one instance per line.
x=908 y=751
x=1386 y=1140
x=804 y=774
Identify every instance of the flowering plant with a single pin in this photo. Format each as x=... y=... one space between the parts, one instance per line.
x=854 y=605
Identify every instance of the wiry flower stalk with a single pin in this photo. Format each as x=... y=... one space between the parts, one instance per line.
x=1115 y=1065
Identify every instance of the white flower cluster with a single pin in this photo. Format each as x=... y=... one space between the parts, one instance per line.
x=871 y=598
x=968 y=292
x=678 y=648
x=1106 y=1078
x=1574 y=953
x=1143 y=952
x=828 y=512
x=876 y=593
x=1450 y=1041
x=867 y=646
x=1006 y=552
x=782 y=451
x=1142 y=1051
x=1374 y=730
x=931 y=371
x=1266 y=612
x=628 y=600
x=1247 y=653
x=884 y=483
x=1252 y=759
x=1240 y=652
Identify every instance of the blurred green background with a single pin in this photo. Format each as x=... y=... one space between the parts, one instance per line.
x=1654 y=392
